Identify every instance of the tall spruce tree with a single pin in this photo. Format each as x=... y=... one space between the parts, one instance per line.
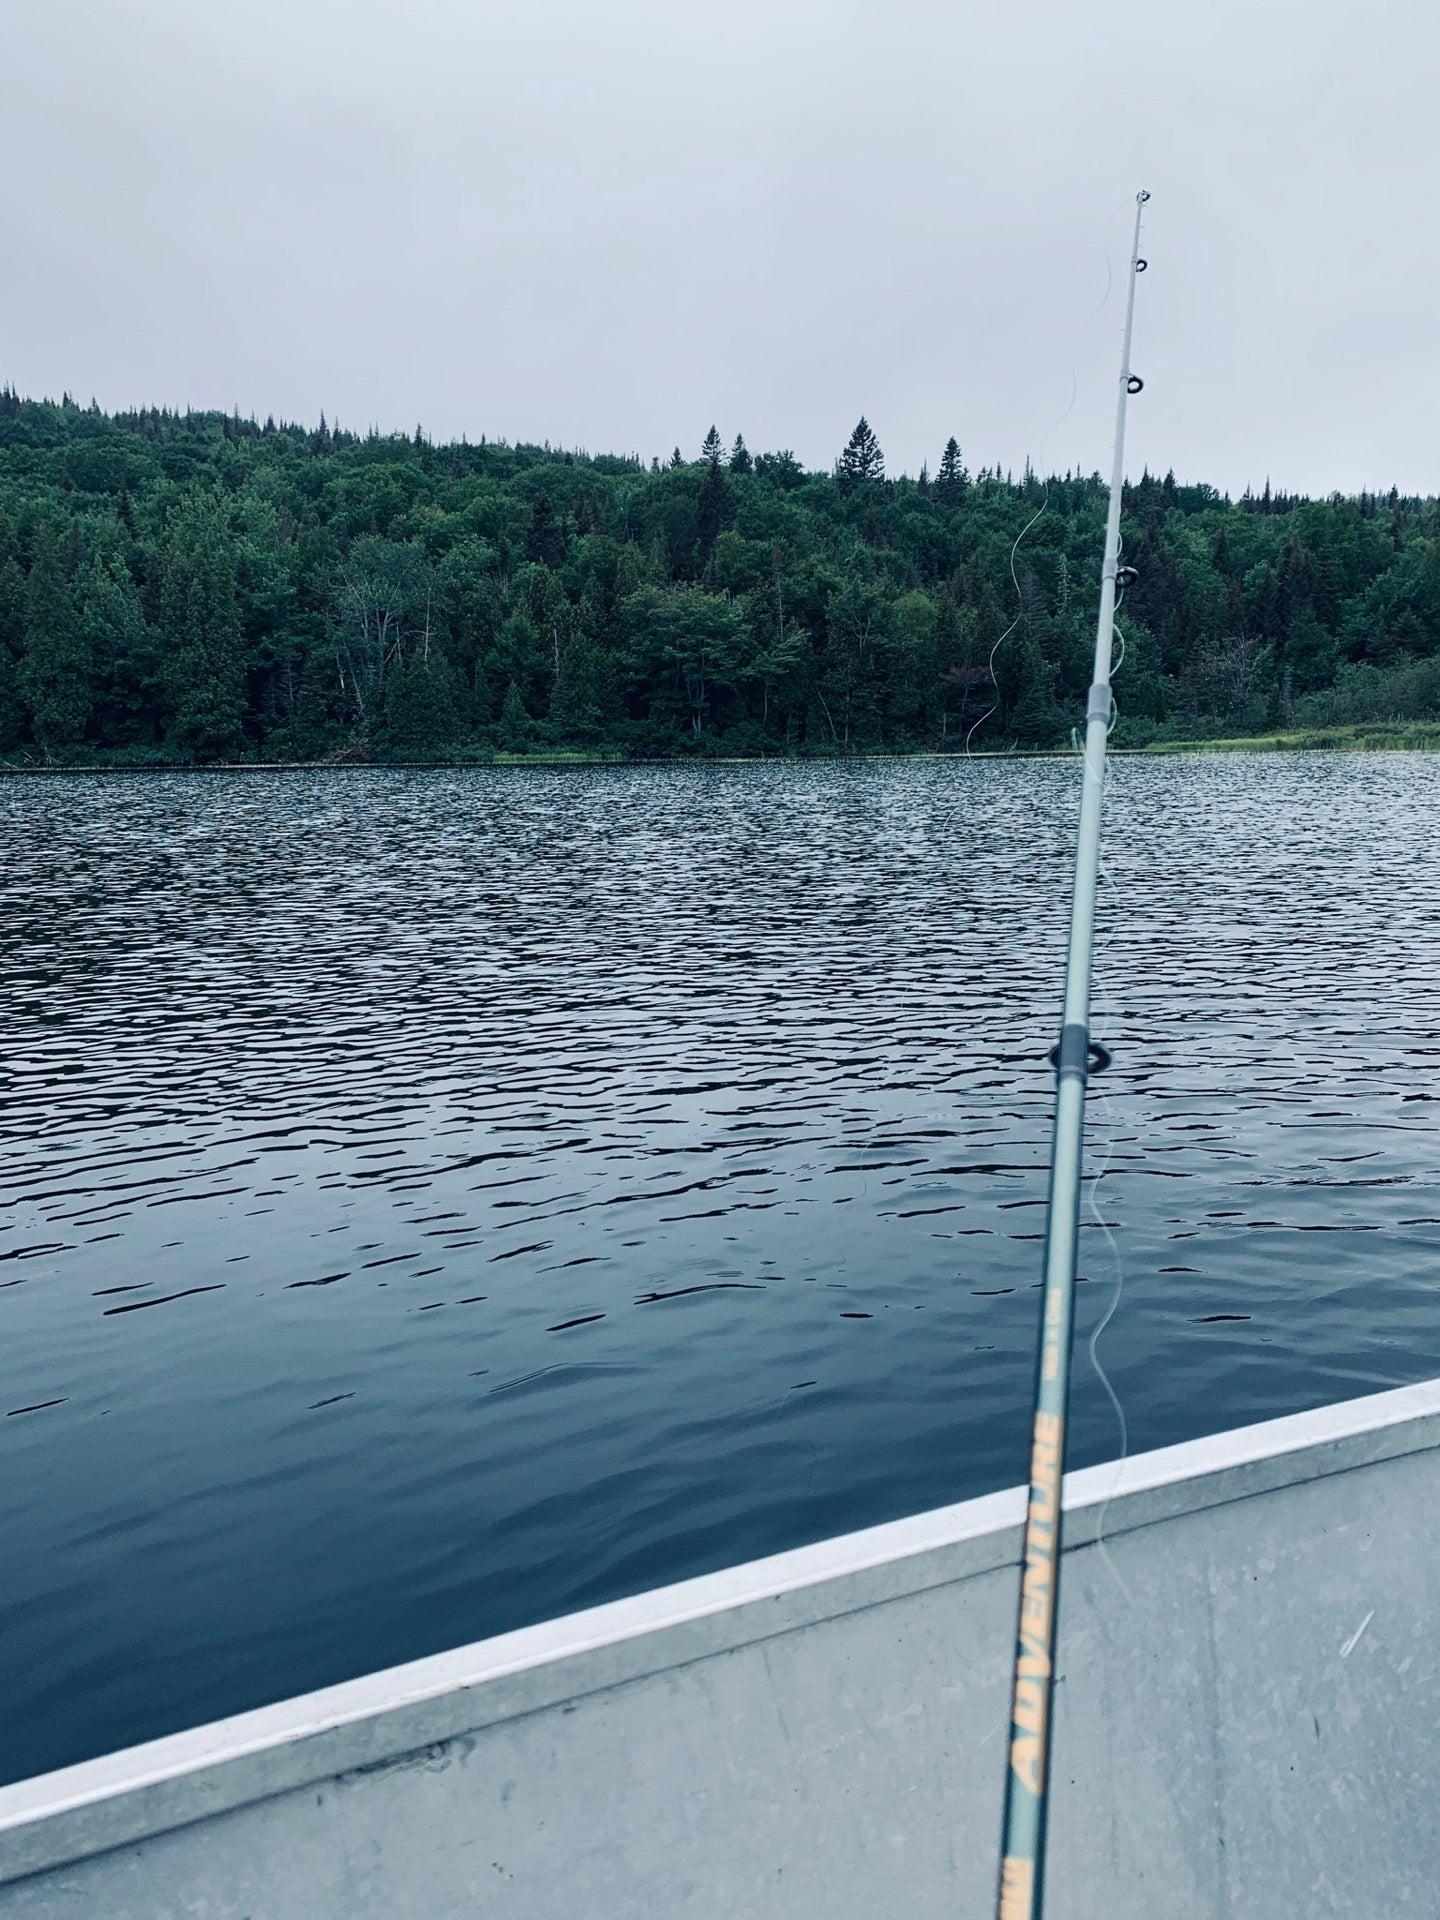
x=125 y=652
x=711 y=450
x=714 y=508
x=547 y=539
x=12 y=644
x=515 y=723
x=55 y=664
x=862 y=461
x=951 y=479
x=421 y=720
x=200 y=623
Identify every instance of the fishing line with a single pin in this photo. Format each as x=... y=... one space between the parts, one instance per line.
x=1033 y=521
x=1118 y=1289
x=1109 y=1009
x=1096 y=311
x=1104 y=300
x=1050 y=431
x=1102 y=995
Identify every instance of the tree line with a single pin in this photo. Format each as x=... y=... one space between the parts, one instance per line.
x=198 y=587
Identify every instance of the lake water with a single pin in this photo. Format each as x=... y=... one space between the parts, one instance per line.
x=435 y=1201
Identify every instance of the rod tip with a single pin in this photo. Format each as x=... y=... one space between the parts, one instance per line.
x=1142 y=196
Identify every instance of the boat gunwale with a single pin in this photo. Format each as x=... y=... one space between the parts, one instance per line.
x=382 y=1717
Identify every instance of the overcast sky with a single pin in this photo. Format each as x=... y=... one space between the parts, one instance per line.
x=610 y=222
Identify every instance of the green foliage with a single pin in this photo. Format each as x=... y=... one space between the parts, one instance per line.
x=951 y=478
x=124 y=652
x=55 y=664
x=862 y=459
x=203 y=674
x=515 y=728
x=420 y=715
x=1363 y=693
x=197 y=587
x=13 y=600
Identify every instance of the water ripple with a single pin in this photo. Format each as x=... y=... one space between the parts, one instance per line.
x=433 y=1201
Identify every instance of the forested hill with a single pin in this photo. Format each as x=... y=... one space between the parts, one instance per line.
x=196 y=587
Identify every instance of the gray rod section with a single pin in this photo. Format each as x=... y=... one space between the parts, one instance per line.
x=1027 y=1773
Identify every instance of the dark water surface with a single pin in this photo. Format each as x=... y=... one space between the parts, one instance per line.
x=436 y=1201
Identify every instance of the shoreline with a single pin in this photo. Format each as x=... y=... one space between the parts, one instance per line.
x=1403 y=736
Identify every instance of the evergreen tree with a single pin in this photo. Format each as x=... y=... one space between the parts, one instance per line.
x=515 y=726
x=55 y=664
x=12 y=643
x=714 y=508
x=420 y=716
x=482 y=695
x=199 y=620
x=583 y=697
x=546 y=543
x=951 y=479
x=740 y=461
x=711 y=450
x=862 y=461
x=125 y=653
x=317 y=718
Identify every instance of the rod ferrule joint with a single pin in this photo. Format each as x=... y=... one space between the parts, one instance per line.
x=1073 y=1053
x=1077 y=1053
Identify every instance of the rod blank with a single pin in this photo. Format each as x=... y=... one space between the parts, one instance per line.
x=1027 y=1773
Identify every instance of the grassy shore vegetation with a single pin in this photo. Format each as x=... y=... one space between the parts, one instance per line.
x=1405 y=735
x=192 y=588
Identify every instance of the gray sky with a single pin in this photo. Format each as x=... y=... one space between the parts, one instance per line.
x=608 y=224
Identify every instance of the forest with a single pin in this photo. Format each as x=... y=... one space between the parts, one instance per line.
x=187 y=588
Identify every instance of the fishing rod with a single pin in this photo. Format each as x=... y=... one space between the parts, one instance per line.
x=1027 y=1776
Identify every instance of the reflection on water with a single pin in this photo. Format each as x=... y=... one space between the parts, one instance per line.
x=435 y=1201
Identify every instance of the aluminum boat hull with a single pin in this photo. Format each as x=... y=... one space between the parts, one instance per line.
x=1245 y=1728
